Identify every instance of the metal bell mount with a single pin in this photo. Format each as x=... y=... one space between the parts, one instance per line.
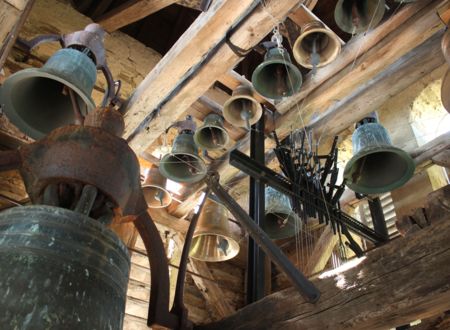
x=316 y=46
x=38 y=100
x=242 y=109
x=212 y=240
x=183 y=164
x=154 y=189
x=280 y=220
x=357 y=16
x=376 y=166
x=211 y=135
x=277 y=76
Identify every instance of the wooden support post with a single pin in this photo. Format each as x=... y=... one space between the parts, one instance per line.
x=189 y=69
x=12 y=17
x=378 y=293
x=322 y=251
x=130 y=12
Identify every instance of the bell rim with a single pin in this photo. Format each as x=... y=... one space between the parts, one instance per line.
x=197 y=133
x=166 y=192
x=242 y=123
x=193 y=179
x=375 y=20
x=445 y=89
x=380 y=190
x=295 y=88
x=231 y=240
x=297 y=43
x=35 y=73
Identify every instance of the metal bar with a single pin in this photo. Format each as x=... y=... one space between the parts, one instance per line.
x=282 y=184
x=256 y=258
x=377 y=214
x=303 y=285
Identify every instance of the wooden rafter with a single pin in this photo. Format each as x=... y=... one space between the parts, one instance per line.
x=405 y=280
x=190 y=68
x=130 y=12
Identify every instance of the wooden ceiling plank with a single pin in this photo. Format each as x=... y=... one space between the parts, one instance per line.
x=394 y=285
x=130 y=12
x=197 y=59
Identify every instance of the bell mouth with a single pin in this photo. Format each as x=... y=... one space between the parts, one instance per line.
x=35 y=84
x=235 y=105
x=211 y=137
x=156 y=196
x=276 y=79
x=279 y=225
x=183 y=167
x=376 y=171
x=213 y=247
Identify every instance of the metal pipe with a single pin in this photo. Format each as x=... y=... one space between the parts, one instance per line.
x=377 y=214
x=303 y=285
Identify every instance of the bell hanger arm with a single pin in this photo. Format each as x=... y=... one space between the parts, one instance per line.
x=28 y=45
x=309 y=292
x=111 y=94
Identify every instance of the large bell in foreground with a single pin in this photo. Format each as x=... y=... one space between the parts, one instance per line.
x=212 y=239
x=38 y=101
x=277 y=77
x=445 y=91
x=316 y=46
x=183 y=164
x=242 y=109
x=356 y=16
x=60 y=270
x=212 y=135
x=376 y=166
x=154 y=189
x=280 y=220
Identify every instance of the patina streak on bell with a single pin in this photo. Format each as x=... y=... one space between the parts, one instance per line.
x=60 y=270
x=36 y=101
x=280 y=220
x=377 y=166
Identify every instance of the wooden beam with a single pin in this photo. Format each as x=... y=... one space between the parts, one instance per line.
x=190 y=68
x=130 y=12
x=322 y=251
x=163 y=218
x=423 y=156
x=442 y=158
x=377 y=50
x=12 y=16
x=402 y=281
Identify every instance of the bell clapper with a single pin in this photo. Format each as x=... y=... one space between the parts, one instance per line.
x=246 y=114
x=223 y=245
x=159 y=196
x=79 y=119
x=315 y=56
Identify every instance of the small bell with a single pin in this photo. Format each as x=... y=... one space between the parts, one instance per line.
x=356 y=16
x=242 y=109
x=212 y=135
x=154 y=189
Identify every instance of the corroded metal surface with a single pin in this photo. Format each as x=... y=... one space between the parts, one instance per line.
x=60 y=270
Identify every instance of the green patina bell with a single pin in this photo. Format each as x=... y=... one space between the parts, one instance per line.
x=212 y=135
x=357 y=16
x=280 y=220
x=183 y=164
x=37 y=100
x=60 y=270
x=376 y=166
x=277 y=77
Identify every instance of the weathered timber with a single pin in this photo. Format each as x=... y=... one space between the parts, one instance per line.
x=379 y=293
x=130 y=12
x=321 y=252
x=442 y=158
x=379 y=49
x=12 y=17
x=423 y=155
x=194 y=63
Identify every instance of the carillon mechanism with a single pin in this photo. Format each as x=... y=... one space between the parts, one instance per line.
x=242 y=109
x=357 y=16
x=376 y=166
x=40 y=100
x=211 y=135
x=183 y=164
x=316 y=46
x=213 y=239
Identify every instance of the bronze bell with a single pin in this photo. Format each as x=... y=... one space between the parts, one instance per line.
x=183 y=164
x=212 y=240
x=280 y=220
x=60 y=270
x=37 y=100
x=154 y=189
x=242 y=109
x=212 y=135
x=376 y=166
x=445 y=45
x=356 y=16
x=277 y=77
x=445 y=91
x=316 y=46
